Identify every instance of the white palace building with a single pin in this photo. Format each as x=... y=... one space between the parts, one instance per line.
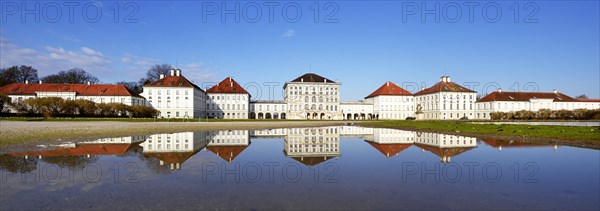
x=309 y=96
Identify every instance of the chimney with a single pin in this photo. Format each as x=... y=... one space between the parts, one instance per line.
x=89 y=83
x=162 y=76
x=555 y=91
x=443 y=79
x=325 y=80
x=40 y=81
x=172 y=72
x=301 y=79
x=448 y=79
x=26 y=81
x=178 y=72
x=500 y=90
x=387 y=84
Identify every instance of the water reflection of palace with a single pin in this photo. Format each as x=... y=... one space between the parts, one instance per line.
x=391 y=142
x=173 y=148
x=443 y=145
x=312 y=146
x=103 y=146
x=309 y=146
x=228 y=144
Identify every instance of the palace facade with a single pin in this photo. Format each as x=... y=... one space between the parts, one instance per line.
x=309 y=96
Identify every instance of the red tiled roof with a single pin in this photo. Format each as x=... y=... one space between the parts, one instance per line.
x=443 y=86
x=81 y=150
x=502 y=143
x=172 y=157
x=228 y=153
x=312 y=78
x=172 y=81
x=227 y=85
x=389 y=88
x=589 y=100
x=525 y=96
x=79 y=89
x=444 y=152
x=389 y=150
x=311 y=161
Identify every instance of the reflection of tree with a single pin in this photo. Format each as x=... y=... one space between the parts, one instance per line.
x=133 y=151
x=151 y=162
x=154 y=165
x=17 y=164
x=71 y=162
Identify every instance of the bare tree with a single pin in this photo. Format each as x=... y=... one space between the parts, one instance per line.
x=71 y=76
x=133 y=86
x=18 y=74
x=583 y=96
x=155 y=71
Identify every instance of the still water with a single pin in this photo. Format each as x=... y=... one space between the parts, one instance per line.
x=300 y=168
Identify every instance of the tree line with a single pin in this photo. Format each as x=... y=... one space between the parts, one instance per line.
x=59 y=107
x=22 y=73
x=547 y=114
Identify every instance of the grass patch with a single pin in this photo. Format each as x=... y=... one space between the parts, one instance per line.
x=573 y=133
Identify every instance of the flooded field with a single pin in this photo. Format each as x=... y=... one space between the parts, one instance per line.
x=342 y=167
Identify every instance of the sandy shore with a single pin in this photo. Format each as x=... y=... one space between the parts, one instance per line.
x=20 y=132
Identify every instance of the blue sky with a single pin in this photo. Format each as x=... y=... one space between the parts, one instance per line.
x=363 y=44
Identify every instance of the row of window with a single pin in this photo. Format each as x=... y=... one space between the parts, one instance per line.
x=227 y=97
x=134 y=102
x=168 y=92
x=447 y=106
x=212 y=106
x=444 y=96
x=448 y=115
x=312 y=88
x=314 y=93
x=222 y=115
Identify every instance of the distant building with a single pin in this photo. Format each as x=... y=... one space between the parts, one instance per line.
x=227 y=100
x=445 y=100
x=174 y=96
x=98 y=93
x=501 y=101
x=390 y=101
x=312 y=96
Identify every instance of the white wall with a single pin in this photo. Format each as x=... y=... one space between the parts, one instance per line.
x=176 y=102
x=228 y=105
x=393 y=106
x=447 y=105
x=313 y=98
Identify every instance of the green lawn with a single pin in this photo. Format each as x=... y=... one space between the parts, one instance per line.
x=571 y=133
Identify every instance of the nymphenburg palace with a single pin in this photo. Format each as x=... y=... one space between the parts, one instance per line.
x=309 y=96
